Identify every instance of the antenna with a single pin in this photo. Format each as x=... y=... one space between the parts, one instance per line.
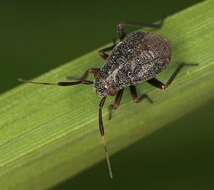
x=107 y=158
x=33 y=82
x=102 y=132
x=101 y=127
x=61 y=83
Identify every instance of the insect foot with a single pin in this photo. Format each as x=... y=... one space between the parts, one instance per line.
x=111 y=108
x=164 y=87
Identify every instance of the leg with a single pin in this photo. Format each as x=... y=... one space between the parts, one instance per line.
x=103 y=51
x=155 y=82
x=158 y=84
x=116 y=103
x=102 y=133
x=121 y=27
x=137 y=98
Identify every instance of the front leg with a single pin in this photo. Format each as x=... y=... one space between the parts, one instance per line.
x=116 y=103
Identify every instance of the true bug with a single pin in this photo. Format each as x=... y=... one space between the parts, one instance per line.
x=136 y=58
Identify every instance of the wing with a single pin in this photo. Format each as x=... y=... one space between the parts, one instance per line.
x=153 y=55
x=146 y=66
x=139 y=58
x=123 y=52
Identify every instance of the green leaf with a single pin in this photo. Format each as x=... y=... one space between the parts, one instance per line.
x=48 y=134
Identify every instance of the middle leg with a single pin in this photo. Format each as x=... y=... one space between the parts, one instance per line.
x=137 y=98
x=116 y=103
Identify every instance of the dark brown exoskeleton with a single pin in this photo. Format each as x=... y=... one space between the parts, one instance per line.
x=136 y=58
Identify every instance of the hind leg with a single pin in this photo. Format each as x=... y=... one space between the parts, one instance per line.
x=121 y=27
x=156 y=83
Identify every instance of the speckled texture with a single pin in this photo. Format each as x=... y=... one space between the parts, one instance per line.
x=139 y=57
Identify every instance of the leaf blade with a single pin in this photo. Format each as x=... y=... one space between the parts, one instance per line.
x=48 y=131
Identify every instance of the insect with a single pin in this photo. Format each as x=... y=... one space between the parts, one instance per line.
x=136 y=58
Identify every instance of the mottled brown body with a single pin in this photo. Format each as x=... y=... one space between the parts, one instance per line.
x=138 y=58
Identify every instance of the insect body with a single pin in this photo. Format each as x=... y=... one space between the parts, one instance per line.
x=137 y=57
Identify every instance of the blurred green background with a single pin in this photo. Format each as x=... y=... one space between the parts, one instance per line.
x=37 y=36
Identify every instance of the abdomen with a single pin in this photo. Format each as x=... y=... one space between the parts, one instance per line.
x=153 y=57
x=140 y=57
